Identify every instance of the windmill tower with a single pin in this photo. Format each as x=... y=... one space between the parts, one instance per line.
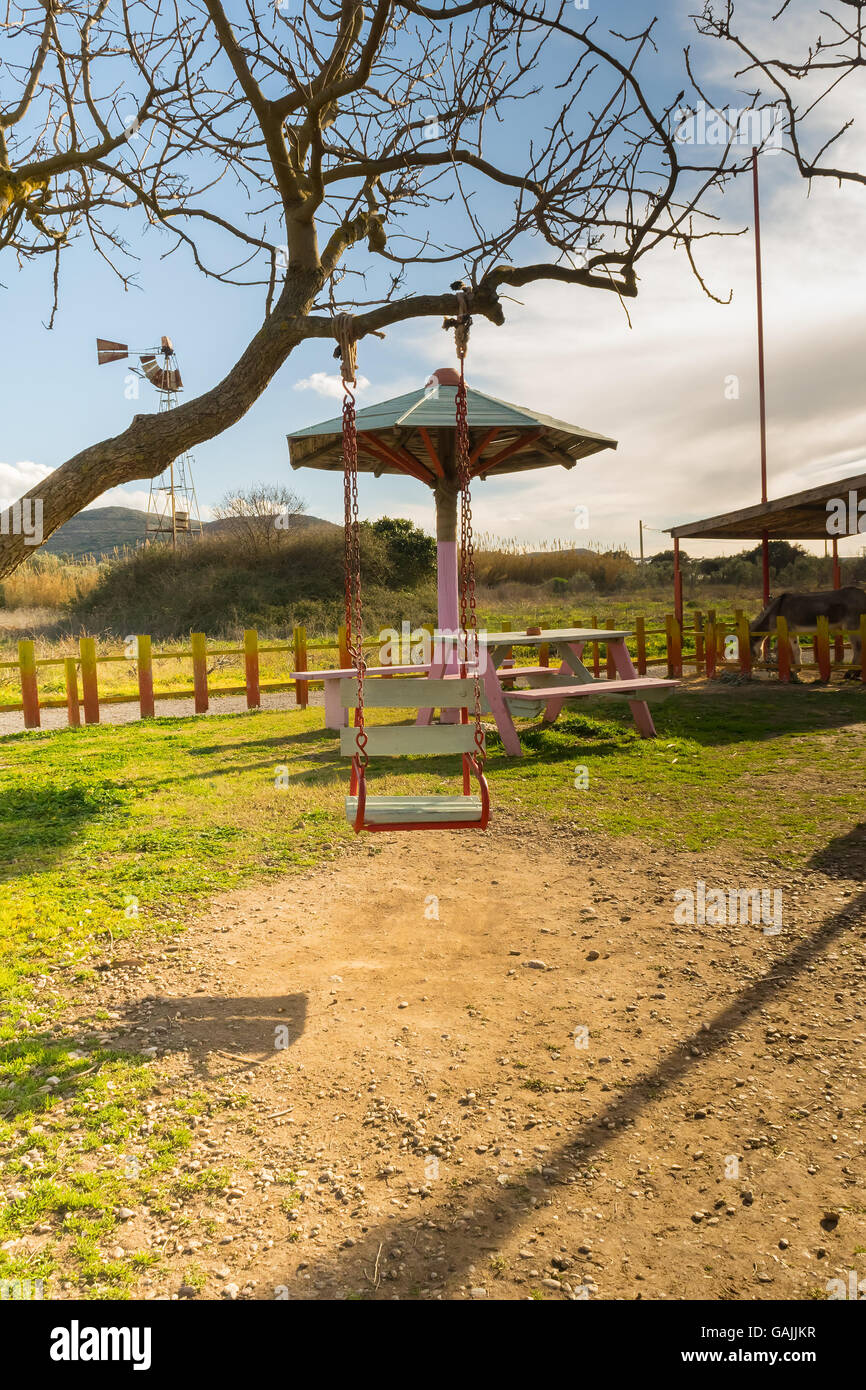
x=172 y=506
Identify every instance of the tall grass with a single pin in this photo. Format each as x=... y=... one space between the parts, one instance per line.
x=50 y=581
x=554 y=563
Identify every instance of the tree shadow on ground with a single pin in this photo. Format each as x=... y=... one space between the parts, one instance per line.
x=37 y=823
x=844 y=856
x=503 y=1210
x=248 y=1027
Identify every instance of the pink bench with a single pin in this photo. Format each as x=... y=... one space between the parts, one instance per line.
x=554 y=696
x=335 y=716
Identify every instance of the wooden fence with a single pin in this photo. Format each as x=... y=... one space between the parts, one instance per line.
x=709 y=645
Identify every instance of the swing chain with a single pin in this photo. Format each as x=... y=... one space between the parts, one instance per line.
x=468 y=613
x=344 y=332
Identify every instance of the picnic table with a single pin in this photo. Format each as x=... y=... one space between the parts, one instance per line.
x=551 y=686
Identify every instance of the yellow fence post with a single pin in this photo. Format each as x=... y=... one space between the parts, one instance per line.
x=29 y=688
x=198 y=642
x=863 y=647
x=251 y=668
x=300 y=646
x=611 y=669
x=783 y=649
x=744 y=642
x=822 y=643
x=70 y=671
x=145 y=677
x=640 y=636
x=89 y=679
x=699 y=643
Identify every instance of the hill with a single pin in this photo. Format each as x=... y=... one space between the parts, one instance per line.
x=100 y=531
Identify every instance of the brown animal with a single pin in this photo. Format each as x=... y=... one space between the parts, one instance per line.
x=841 y=607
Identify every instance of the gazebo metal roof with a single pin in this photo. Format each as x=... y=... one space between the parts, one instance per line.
x=797 y=516
x=403 y=435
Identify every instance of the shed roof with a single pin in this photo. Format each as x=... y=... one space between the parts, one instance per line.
x=797 y=516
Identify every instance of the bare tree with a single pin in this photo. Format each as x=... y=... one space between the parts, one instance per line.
x=261 y=515
x=828 y=63
x=338 y=149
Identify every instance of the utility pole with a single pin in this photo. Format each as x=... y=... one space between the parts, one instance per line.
x=762 y=401
x=640 y=524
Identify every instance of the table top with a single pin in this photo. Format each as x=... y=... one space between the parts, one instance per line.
x=550 y=635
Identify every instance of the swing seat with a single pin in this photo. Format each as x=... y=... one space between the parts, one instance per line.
x=363 y=812
x=417 y=812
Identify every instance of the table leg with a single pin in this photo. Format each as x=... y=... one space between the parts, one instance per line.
x=570 y=663
x=335 y=716
x=500 y=711
x=436 y=672
x=625 y=670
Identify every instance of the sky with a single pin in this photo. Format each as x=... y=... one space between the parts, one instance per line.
x=672 y=375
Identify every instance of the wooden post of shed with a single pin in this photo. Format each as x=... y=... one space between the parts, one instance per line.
x=251 y=667
x=70 y=671
x=29 y=688
x=198 y=642
x=863 y=647
x=89 y=679
x=145 y=677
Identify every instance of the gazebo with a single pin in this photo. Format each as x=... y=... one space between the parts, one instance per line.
x=414 y=435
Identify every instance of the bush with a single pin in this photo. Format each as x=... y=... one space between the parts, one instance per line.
x=411 y=552
x=217 y=582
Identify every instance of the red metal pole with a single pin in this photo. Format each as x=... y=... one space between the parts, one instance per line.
x=762 y=398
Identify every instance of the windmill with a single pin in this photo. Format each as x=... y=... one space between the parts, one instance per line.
x=172 y=506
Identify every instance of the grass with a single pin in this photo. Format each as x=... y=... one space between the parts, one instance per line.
x=108 y=830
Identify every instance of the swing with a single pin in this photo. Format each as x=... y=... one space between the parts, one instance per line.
x=382 y=813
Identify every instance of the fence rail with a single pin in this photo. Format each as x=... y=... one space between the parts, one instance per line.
x=710 y=645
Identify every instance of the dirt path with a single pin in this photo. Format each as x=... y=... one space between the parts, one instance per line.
x=430 y=1123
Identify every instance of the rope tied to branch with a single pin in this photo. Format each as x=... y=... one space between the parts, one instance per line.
x=347 y=349
x=463 y=322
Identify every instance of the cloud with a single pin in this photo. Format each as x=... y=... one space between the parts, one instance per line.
x=675 y=382
x=18 y=478
x=331 y=386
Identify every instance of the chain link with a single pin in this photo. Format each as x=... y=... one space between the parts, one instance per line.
x=468 y=613
x=352 y=528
